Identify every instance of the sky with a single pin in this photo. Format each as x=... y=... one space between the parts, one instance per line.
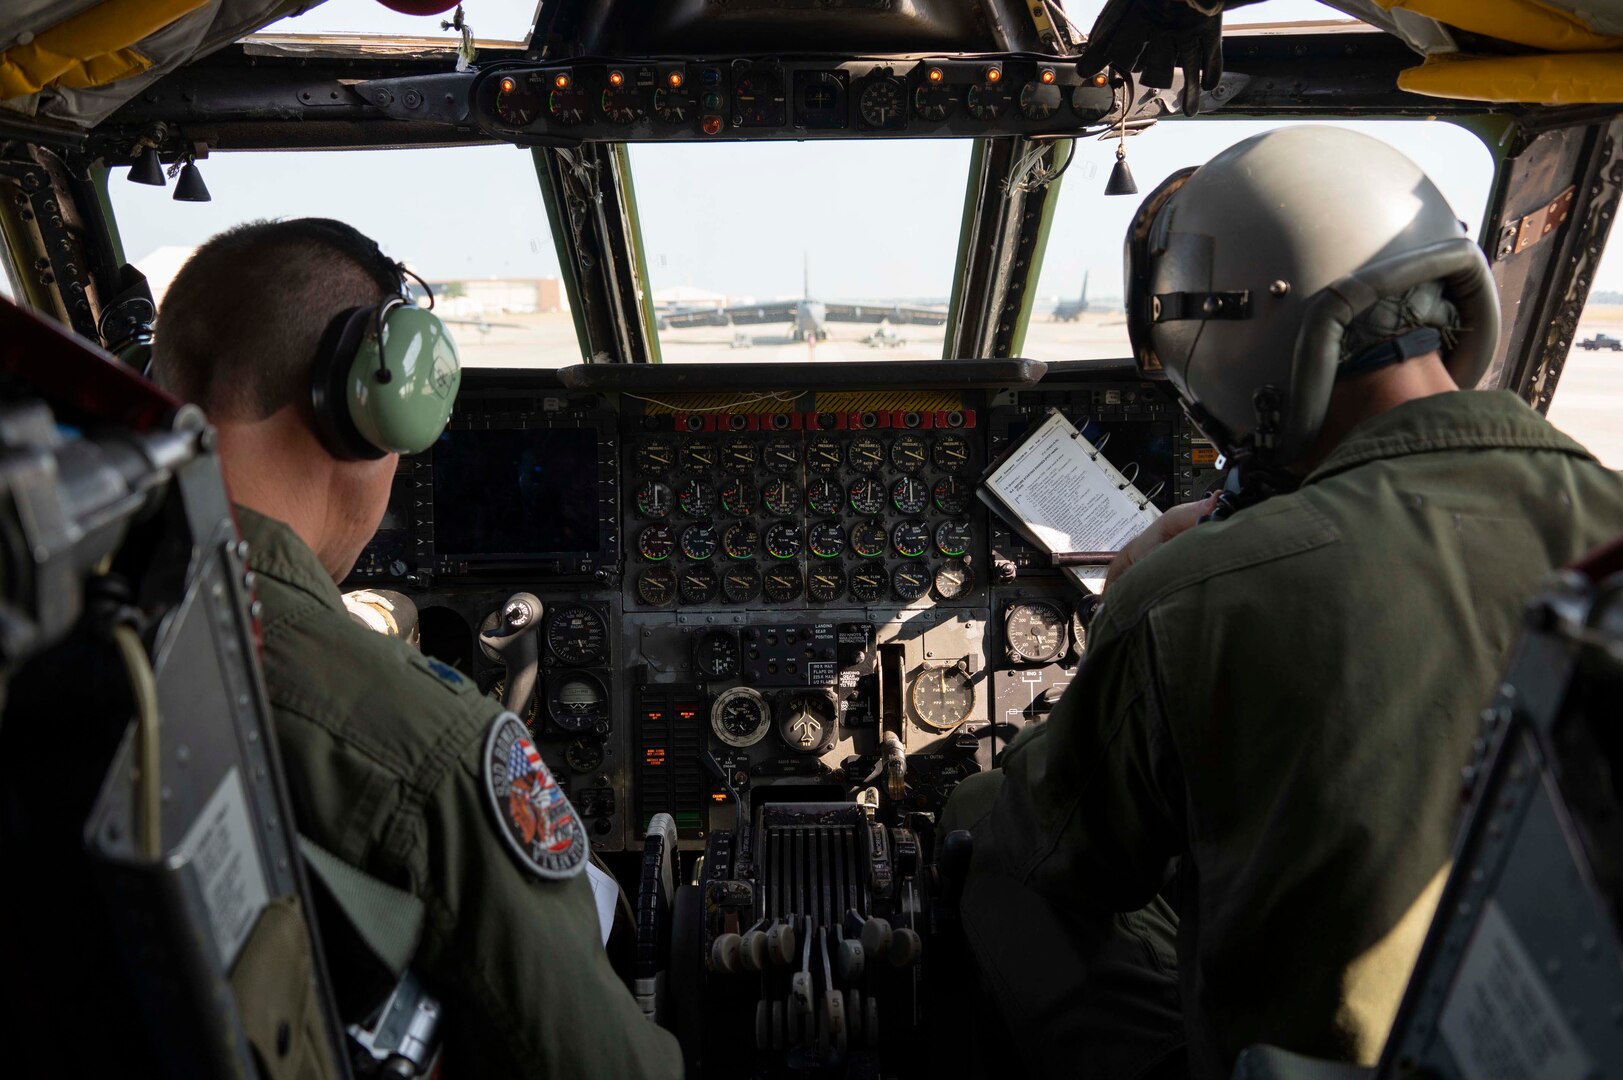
x=872 y=219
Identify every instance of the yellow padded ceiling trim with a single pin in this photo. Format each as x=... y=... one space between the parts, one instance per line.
x=1526 y=22
x=91 y=48
x=1549 y=79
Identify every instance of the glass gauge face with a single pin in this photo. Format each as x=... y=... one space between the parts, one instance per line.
x=866 y=454
x=910 y=495
x=822 y=454
x=781 y=584
x=740 y=585
x=619 y=103
x=739 y=455
x=697 y=586
x=716 y=655
x=758 y=96
x=953 y=580
x=952 y=495
x=1040 y=100
x=584 y=754
x=740 y=541
x=568 y=104
x=698 y=456
x=1081 y=616
x=696 y=497
x=952 y=538
x=699 y=541
x=576 y=634
x=942 y=697
x=826 y=539
x=1034 y=631
x=576 y=703
x=782 y=540
x=656 y=587
x=867 y=497
x=951 y=454
x=824 y=496
x=912 y=538
x=782 y=497
x=805 y=723
x=518 y=107
x=883 y=104
x=910 y=582
x=987 y=101
x=934 y=101
x=672 y=105
x=868 y=539
x=909 y=453
x=498 y=690
x=738 y=498
x=1092 y=102
x=656 y=542
x=825 y=583
x=868 y=582
x=780 y=456
x=655 y=457
x=740 y=717
x=654 y=499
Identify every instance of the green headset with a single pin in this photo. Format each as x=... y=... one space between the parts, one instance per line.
x=385 y=375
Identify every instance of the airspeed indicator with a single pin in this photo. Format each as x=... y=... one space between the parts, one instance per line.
x=882 y=104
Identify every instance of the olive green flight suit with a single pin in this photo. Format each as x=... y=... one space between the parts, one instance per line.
x=1286 y=700
x=383 y=753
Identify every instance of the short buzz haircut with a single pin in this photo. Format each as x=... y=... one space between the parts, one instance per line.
x=240 y=324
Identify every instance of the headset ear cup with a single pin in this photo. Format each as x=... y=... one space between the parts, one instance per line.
x=329 y=395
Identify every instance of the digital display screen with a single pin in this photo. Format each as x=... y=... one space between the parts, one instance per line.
x=516 y=494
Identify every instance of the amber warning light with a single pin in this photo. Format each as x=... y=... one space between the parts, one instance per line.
x=561 y=81
x=508 y=85
x=1100 y=79
x=994 y=74
x=1047 y=76
x=616 y=78
x=674 y=78
x=936 y=75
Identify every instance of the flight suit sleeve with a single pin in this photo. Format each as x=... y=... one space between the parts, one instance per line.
x=517 y=958
x=1091 y=806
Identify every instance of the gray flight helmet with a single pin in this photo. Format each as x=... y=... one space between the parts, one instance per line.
x=1244 y=274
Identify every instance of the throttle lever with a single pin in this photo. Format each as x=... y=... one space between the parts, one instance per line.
x=515 y=641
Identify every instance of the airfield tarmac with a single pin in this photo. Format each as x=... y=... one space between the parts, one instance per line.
x=1588 y=402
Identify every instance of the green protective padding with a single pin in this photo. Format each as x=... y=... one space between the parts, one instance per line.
x=407 y=413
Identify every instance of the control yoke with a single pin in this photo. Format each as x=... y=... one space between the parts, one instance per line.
x=514 y=639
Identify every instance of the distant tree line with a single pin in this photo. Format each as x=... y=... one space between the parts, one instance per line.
x=1606 y=298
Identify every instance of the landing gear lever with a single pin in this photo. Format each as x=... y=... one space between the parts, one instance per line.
x=515 y=641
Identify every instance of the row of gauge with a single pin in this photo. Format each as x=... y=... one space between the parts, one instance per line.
x=823 y=583
x=702 y=540
x=910 y=453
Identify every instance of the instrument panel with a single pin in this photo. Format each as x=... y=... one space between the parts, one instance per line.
x=751 y=588
x=637 y=100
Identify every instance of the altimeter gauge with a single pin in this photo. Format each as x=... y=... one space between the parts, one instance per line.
x=1034 y=631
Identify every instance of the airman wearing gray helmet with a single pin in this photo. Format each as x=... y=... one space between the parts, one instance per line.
x=1275 y=707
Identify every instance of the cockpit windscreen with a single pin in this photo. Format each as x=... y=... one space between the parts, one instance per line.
x=516 y=493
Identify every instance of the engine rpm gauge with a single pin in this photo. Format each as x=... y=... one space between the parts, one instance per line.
x=782 y=497
x=826 y=539
x=696 y=497
x=951 y=453
x=780 y=456
x=740 y=541
x=824 y=496
x=1034 y=631
x=868 y=582
x=655 y=457
x=822 y=454
x=909 y=453
x=883 y=104
x=699 y=541
x=782 y=539
x=910 y=582
x=866 y=454
x=868 y=539
x=952 y=538
x=741 y=716
x=575 y=634
x=656 y=587
x=738 y=498
x=911 y=538
x=942 y=697
x=653 y=498
x=867 y=497
x=716 y=655
x=656 y=542
x=781 y=584
x=576 y=702
x=697 y=586
x=740 y=585
x=825 y=584
x=952 y=495
x=910 y=495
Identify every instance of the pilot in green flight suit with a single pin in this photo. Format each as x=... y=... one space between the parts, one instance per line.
x=1273 y=714
x=395 y=762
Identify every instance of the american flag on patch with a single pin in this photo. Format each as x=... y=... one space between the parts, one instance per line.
x=522 y=760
